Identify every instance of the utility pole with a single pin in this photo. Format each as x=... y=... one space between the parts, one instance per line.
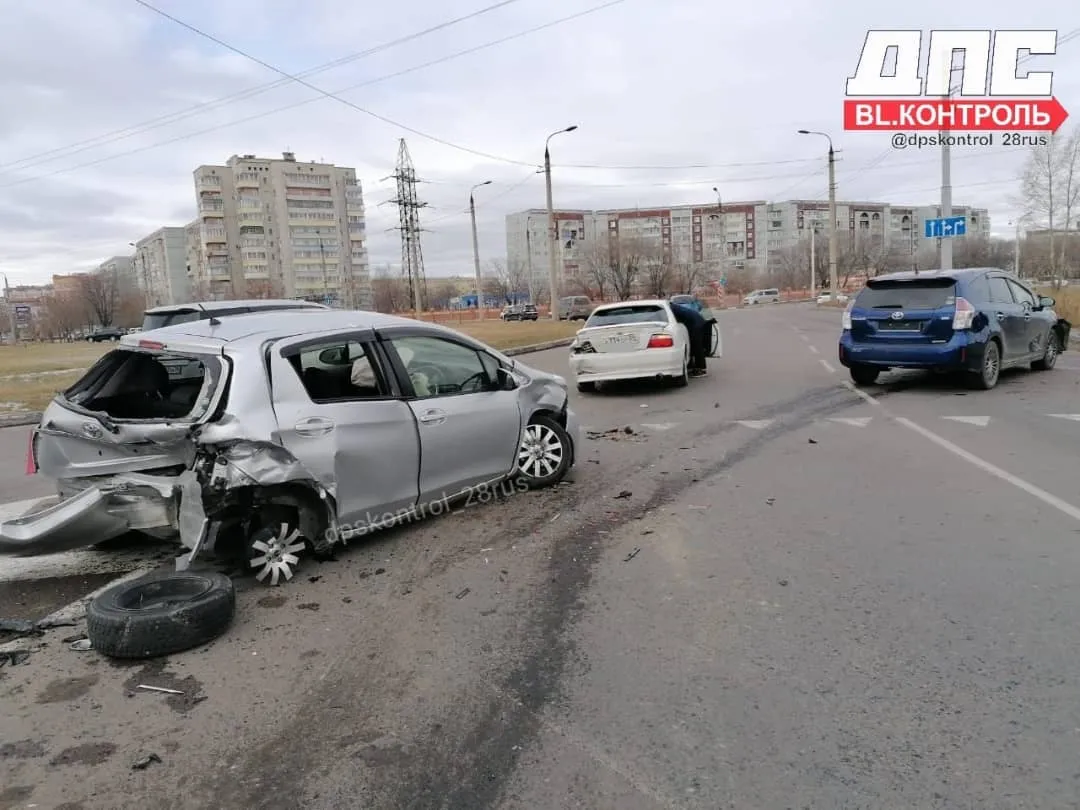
x=10 y=311
x=813 y=261
x=322 y=262
x=553 y=267
x=476 y=252
x=833 y=274
x=1016 y=251
x=723 y=234
x=412 y=256
x=528 y=259
x=946 y=178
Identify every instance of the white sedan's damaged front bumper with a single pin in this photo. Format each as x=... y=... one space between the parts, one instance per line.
x=610 y=366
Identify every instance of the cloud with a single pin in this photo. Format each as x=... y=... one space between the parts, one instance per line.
x=103 y=141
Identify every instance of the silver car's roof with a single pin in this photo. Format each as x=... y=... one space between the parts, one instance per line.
x=215 y=306
x=258 y=327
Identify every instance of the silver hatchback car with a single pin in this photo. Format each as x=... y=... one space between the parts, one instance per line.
x=289 y=432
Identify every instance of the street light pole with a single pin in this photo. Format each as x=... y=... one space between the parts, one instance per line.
x=833 y=275
x=723 y=236
x=553 y=268
x=476 y=252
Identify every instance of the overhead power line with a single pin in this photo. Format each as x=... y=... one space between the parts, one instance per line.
x=294 y=105
x=172 y=118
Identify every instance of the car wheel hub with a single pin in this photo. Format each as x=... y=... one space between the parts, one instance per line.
x=277 y=556
x=541 y=452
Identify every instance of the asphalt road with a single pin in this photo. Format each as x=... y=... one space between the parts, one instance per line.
x=773 y=592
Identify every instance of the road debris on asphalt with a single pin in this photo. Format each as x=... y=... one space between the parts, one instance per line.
x=145 y=762
x=811 y=441
x=624 y=494
x=13 y=657
x=614 y=433
x=20 y=627
x=770 y=501
x=82 y=645
x=159 y=689
x=632 y=554
x=463 y=593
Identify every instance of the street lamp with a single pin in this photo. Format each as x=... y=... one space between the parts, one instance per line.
x=476 y=252
x=553 y=270
x=832 y=211
x=723 y=236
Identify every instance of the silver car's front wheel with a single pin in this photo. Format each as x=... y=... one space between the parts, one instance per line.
x=545 y=454
x=275 y=552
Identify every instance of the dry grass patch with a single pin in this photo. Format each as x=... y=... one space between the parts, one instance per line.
x=514 y=334
x=34 y=358
x=33 y=392
x=1066 y=303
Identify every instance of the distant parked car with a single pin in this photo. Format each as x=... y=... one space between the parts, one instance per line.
x=186 y=313
x=575 y=308
x=529 y=312
x=770 y=295
x=977 y=321
x=511 y=312
x=825 y=297
x=103 y=335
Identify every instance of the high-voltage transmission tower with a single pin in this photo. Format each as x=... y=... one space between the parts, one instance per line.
x=412 y=255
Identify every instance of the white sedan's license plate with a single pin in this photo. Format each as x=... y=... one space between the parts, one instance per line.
x=622 y=340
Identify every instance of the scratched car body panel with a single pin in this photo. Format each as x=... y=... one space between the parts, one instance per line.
x=324 y=425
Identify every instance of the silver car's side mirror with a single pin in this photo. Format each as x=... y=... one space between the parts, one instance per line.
x=506 y=380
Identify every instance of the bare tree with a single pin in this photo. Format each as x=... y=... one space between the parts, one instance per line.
x=64 y=313
x=443 y=290
x=687 y=276
x=1050 y=187
x=100 y=290
x=977 y=252
x=598 y=271
x=506 y=280
x=628 y=264
x=389 y=291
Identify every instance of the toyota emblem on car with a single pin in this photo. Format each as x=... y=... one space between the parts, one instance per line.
x=897 y=316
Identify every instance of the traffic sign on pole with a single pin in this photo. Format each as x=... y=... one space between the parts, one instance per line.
x=945 y=227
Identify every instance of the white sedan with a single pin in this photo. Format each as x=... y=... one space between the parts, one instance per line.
x=630 y=340
x=824 y=298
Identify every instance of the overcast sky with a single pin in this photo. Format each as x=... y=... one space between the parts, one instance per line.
x=99 y=139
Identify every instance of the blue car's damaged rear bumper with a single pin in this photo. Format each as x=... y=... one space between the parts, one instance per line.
x=962 y=352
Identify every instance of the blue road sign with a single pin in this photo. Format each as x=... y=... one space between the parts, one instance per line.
x=945 y=227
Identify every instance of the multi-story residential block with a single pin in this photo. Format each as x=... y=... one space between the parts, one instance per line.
x=721 y=236
x=281 y=228
x=195 y=261
x=121 y=270
x=161 y=267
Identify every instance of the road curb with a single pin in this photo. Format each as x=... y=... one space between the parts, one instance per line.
x=538 y=347
x=20 y=419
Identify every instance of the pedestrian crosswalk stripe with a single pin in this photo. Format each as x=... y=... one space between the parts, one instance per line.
x=861 y=421
x=1075 y=417
x=978 y=421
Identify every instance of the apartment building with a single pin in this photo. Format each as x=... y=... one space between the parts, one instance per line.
x=720 y=236
x=161 y=267
x=122 y=270
x=891 y=227
x=281 y=228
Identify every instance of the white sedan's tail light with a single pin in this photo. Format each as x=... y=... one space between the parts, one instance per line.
x=661 y=341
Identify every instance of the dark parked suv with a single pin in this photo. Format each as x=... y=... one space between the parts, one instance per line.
x=978 y=321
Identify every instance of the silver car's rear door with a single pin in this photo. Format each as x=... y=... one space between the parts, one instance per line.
x=340 y=416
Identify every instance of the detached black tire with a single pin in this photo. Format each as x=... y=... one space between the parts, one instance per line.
x=160 y=614
x=546 y=453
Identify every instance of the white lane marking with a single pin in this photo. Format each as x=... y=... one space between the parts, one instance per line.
x=1075 y=417
x=861 y=421
x=813 y=349
x=86 y=562
x=804 y=338
x=827 y=365
x=1051 y=500
x=659 y=425
x=978 y=421
x=755 y=424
